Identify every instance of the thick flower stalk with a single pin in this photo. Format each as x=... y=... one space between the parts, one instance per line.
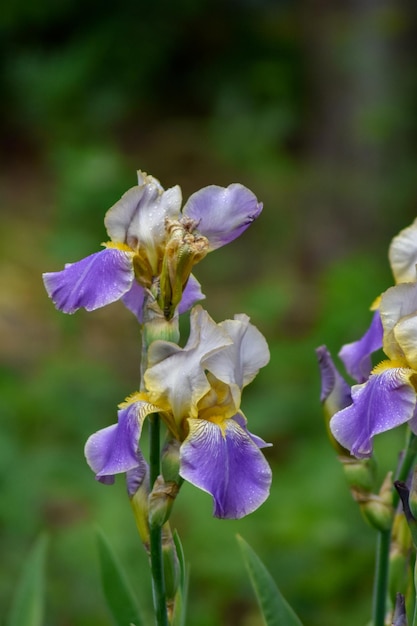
x=154 y=246
x=197 y=392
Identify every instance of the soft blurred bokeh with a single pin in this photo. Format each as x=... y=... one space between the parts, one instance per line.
x=312 y=106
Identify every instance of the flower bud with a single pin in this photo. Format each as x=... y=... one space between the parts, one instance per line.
x=140 y=506
x=412 y=497
x=161 y=500
x=399 y=557
x=360 y=474
x=378 y=509
x=377 y=513
x=170 y=461
x=171 y=566
x=400 y=616
x=183 y=250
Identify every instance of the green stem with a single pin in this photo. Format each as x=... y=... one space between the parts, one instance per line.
x=384 y=540
x=157 y=566
x=381 y=578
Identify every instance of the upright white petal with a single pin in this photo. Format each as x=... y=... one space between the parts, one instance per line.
x=239 y=363
x=403 y=254
x=398 y=303
x=176 y=376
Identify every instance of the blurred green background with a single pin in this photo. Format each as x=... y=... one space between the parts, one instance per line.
x=309 y=104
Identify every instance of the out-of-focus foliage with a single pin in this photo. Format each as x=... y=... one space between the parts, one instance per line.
x=314 y=111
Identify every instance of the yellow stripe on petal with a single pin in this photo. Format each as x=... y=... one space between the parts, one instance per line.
x=118 y=246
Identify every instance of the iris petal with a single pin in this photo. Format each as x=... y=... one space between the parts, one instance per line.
x=224 y=461
x=138 y=218
x=398 y=303
x=114 y=450
x=222 y=213
x=191 y=295
x=91 y=283
x=335 y=392
x=239 y=362
x=134 y=300
x=175 y=376
x=403 y=254
x=356 y=356
x=385 y=401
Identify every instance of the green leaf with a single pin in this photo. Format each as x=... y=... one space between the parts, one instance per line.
x=28 y=602
x=178 y=618
x=275 y=609
x=119 y=596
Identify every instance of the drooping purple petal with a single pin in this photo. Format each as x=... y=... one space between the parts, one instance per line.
x=335 y=392
x=385 y=401
x=242 y=421
x=115 y=449
x=224 y=461
x=191 y=295
x=356 y=356
x=222 y=213
x=91 y=283
x=134 y=300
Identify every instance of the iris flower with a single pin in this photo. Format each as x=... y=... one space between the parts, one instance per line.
x=197 y=392
x=402 y=254
x=153 y=244
x=388 y=398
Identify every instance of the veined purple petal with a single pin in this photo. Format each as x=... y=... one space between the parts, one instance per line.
x=222 y=213
x=91 y=283
x=224 y=461
x=356 y=356
x=191 y=295
x=242 y=421
x=335 y=392
x=115 y=449
x=385 y=401
x=134 y=300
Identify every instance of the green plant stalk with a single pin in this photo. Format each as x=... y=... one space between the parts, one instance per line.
x=381 y=578
x=156 y=327
x=384 y=539
x=157 y=565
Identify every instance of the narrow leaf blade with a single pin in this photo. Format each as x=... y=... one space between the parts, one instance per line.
x=119 y=596
x=275 y=609
x=179 y=616
x=29 y=598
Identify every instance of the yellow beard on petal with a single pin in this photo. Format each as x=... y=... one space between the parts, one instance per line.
x=390 y=364
x=220 y=421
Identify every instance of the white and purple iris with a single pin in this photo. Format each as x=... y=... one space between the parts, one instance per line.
x=154 y=244
x=197 y=392
x=386 y=395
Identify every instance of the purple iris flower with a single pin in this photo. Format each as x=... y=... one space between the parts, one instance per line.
x=388 y=398
x=153 y=241
x=197 y=392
